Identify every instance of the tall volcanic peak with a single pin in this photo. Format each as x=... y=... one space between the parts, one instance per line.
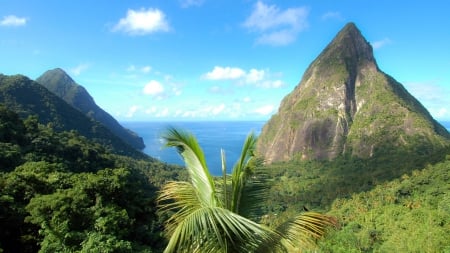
x=345 y=105
x=62 y=85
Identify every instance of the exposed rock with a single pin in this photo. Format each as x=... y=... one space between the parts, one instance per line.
x=345 y=105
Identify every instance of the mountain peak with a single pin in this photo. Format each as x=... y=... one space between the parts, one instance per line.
x=59 y=76
x=348 y=47
x=345 y=105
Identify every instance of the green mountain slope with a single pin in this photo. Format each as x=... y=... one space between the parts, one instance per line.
x=27 y=97
x=62 y=85
x=410 y=214
x=345 y=105
x=61 y=192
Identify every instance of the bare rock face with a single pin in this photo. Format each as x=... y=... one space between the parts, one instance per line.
x=345 y=105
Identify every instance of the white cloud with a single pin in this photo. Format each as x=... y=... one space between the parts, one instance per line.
x=218 y=109
x=142 y=22
x=332 y=15
x=265 y=110
x=153 y=88
x=223 y=73
x=13 y=20
x=146 y=69
x=189 y=3
x=433 y=96
x=276 y=27
x=131 y=111
x=442 y=113
x=76 y=71
x=380 y=43
x=247 y=99
x=271 y=84
x=162 y=113
x=255 y=75
x=278 y=38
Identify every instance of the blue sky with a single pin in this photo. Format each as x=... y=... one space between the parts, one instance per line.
x=218 y=59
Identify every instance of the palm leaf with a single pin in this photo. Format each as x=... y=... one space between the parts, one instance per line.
x=302 y=231
x=176 y=200
x=241 y=172
x=194 y=158
x=255 y=192
x=216 y=229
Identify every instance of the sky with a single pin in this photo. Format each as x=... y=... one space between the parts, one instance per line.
x=168 y=60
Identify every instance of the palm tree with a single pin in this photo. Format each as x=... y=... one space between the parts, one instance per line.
x=210 y=214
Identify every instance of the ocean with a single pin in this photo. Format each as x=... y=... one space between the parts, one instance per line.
x=211 y=135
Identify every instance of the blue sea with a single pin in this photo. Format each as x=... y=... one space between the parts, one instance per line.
x=211 y=135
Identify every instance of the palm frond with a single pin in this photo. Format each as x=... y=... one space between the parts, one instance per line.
x=176 y=200
x=302 y=231
x=194 y=158
x=255 y=192
x=242 y=171
x=216 y=229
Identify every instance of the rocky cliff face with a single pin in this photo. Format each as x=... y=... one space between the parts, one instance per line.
x=345 y=105
x=62 y=85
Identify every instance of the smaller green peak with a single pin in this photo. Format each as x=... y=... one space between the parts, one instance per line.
x=55 y=76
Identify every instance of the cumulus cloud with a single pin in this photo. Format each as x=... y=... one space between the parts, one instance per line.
x=442 y=113
x=13 y=20
x=224 y=73
x=433 y=96
x=217 y=109
x=131 y=111
x=153 y=88
x=164 y=112
x=381 y=43
x=256 y=77
x=275 y=26
x=144 y=69
x=265 y=110
x=142 y=22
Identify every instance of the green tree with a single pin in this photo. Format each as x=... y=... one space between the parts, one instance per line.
x=220 y=215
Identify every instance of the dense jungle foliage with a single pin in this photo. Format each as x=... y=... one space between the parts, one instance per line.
x=394 y=203
x=60 y=192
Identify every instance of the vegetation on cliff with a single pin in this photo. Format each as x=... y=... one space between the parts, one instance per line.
x=63 y=86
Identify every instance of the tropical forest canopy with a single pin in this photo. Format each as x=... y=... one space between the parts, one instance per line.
x=60 y=192
x=63 y=192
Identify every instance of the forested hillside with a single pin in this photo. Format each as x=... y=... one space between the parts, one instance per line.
x=392 y=203
x=60 y=192
x=27 y=97
x=63 y=86
x=409 y=214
